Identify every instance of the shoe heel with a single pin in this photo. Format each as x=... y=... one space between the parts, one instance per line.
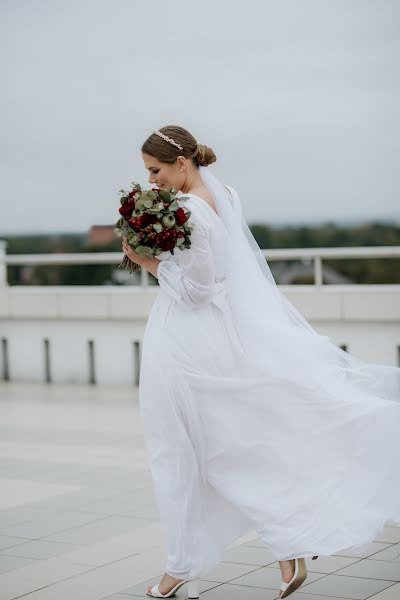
x=194 y=588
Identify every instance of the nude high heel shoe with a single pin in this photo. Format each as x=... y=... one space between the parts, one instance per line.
x=300 y=573
x=193 y=589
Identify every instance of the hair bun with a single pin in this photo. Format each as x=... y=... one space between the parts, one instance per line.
x=205 y=156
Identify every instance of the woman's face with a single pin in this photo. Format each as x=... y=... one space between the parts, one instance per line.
x=163 y=175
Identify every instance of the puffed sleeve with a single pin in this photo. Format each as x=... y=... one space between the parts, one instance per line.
x=189 y=275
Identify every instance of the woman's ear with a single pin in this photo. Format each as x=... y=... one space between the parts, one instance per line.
x=181 y=160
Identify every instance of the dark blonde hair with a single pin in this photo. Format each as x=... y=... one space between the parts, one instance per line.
x=166 y=152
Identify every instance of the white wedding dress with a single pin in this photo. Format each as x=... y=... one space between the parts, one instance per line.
x=312 y=464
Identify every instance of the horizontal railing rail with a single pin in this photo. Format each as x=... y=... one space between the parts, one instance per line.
x=287 y=254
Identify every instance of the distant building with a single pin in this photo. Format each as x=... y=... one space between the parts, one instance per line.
x=100 y=235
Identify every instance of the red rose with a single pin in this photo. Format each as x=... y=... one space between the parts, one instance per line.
x=147 y=219
x=180 y=216
x=127 y=208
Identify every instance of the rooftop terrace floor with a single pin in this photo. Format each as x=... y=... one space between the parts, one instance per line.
x=78 y=518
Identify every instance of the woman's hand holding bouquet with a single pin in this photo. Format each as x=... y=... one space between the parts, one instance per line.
x=151 y=222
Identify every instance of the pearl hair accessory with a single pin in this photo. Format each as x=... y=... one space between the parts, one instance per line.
x=168 y=139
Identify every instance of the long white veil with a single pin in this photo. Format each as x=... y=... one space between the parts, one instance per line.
x=275 y=336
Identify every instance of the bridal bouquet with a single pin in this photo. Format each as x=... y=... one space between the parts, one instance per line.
x=152 y=222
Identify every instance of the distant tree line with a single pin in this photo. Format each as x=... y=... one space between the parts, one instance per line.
x=328 y=235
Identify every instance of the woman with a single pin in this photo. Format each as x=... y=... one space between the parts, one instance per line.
x=252 y=420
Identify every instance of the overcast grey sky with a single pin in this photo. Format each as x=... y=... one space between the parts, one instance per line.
x=299 y=99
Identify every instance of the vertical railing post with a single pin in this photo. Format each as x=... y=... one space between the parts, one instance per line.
x=318 y=279
x=3 y=265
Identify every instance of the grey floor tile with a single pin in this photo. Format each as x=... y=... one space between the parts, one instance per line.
x=302 y=595
x=329 y=564
x=19 y=514
x=9 y=563
x=325 y=564
x=111 y=506
x=373 y=569
x=247 y=555
x=391 y=593
x=143 y=512
x=346 y=587
x=9 y=541
x=39 y=549
x=390 y=534
x=119 y=597
x=143 y=509
x=99 y=530
x=225 y=571
x=227 y=591
x=373 y=548
x=391 y=553
x=78 y=500
x=268 y=578
x=51 y=523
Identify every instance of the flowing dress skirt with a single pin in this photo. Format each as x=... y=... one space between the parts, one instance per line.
x=314 y=469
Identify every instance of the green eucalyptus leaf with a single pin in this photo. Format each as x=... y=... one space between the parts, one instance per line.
x=174 y=205
x=165 y=195
x=144 y=250
x=133 y=238
x=139 y=205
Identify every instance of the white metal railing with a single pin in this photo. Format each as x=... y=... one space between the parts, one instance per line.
x=315 y=254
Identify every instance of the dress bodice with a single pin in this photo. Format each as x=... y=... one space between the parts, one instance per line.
x=201 y=211
x=198 y=275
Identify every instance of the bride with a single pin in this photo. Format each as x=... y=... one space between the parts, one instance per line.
x=252 y=420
